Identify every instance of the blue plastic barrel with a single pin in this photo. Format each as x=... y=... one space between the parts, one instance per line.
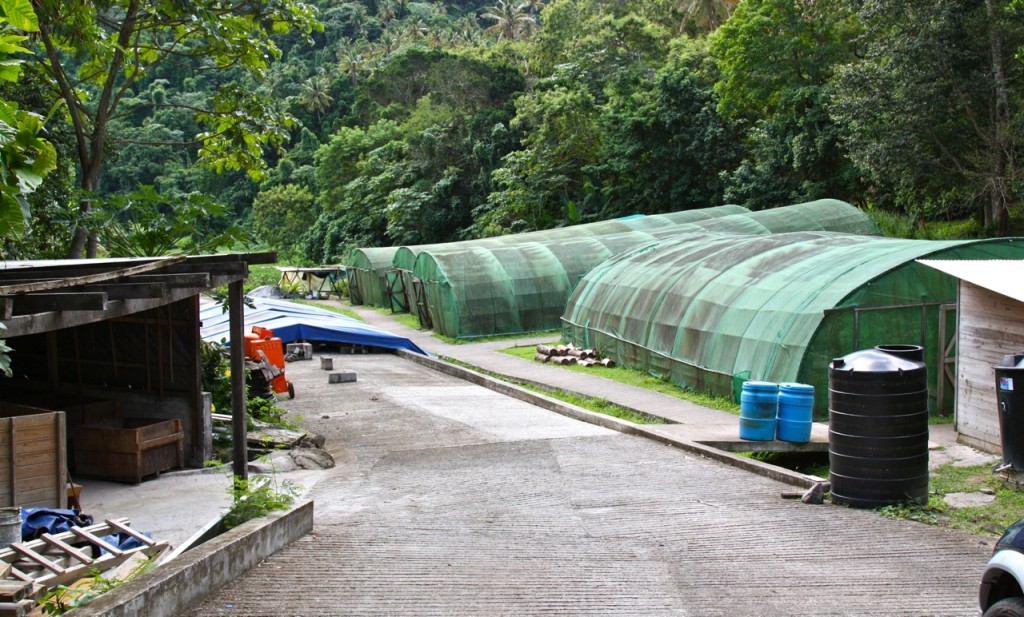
x=796 y=404
x=759 y=402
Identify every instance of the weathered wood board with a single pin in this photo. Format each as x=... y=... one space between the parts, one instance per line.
x=33 y=460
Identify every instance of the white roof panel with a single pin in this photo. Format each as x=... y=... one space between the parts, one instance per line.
x=1003 y=276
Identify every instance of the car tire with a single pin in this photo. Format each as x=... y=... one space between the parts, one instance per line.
x=1007 y=607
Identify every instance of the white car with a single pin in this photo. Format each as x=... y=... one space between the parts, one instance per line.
x=1001 y=593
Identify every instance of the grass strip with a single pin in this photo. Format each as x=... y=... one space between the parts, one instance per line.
x=590 y=403
x=637 y=379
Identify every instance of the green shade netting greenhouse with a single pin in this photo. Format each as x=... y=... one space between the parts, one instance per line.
x=707 y=310
x=405 y=257
x=477 y=289
x=367 y=275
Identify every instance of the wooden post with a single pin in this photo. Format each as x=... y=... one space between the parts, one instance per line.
x=236 y=319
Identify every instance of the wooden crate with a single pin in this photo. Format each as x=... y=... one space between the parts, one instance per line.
x=128 y=449
x=32 y=460
x=78 y=410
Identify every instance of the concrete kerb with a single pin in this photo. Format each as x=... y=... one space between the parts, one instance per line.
x=650 y=431
x=175 y=586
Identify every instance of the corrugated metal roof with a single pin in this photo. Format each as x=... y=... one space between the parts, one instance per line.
x=1003 y=276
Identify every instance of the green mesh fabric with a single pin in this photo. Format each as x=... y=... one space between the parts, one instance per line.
x=708 y=310
x=507 y=285
x=367 y=275
x=405 y=257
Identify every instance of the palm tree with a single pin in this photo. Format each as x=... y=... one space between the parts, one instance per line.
x=387 y=10
x=510 y=21
x=350 y=60
x=531 y=6
x=388 y=42
x=705 y=15
x=315 y=94
x=357 y=17
x=417 y=29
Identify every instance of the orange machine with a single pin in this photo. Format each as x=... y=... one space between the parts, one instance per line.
x=263 y=347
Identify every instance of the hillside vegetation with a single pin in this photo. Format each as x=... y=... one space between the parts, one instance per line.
x=312 y=128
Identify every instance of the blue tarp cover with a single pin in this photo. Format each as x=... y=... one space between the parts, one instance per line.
x=293 y=322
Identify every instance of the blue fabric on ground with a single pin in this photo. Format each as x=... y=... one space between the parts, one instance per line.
x=37 y=521
x=291 y=321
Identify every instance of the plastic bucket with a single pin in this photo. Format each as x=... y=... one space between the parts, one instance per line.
x=796 y=406
x=10 y=526
x=759 y=402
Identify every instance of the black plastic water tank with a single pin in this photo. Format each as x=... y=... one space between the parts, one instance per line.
x=878 y=427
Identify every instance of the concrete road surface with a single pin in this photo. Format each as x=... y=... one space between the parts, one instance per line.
x=450 y=499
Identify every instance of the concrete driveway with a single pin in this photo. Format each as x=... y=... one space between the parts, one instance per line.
x=450 y=499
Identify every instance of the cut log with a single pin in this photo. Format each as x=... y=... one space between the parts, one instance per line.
x=546 y=350
x=607 y=363
x=541 y=357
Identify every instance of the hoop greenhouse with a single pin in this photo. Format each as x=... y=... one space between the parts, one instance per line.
x=508 y=286
x=710 y=311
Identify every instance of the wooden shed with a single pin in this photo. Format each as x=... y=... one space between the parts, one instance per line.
x=990 y=325
x=112 y=346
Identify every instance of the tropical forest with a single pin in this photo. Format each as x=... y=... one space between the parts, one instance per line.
x=150 y=127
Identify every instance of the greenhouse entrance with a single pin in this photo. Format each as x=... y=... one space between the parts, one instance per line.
x=396 y=292
x=872 y=326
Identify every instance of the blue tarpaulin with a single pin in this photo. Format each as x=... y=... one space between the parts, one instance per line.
x=293 y=322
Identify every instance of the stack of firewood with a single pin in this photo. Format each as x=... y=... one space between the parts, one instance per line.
x=570 y=354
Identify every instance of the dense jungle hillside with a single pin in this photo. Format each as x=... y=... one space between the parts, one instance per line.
x=314 y=128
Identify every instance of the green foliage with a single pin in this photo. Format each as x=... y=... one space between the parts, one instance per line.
x=145 y=223
x=5 y=360
x=932 y=110
x=215 y=374
x=261 y=275
x=990 y=519
x=665 y=146
x=266 y=410
x=930 y=513
x=95 y=54
x=256 y=497
x=534 y=183
x=62 y=598
x=281 y=215
x=416 y=173
x=776 y=59
x=25 y=156
x=434 y=129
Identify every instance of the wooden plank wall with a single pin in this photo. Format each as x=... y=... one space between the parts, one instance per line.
x=990 y=326
x=33 y=461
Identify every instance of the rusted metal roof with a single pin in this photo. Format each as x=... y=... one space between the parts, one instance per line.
x=1003 y=276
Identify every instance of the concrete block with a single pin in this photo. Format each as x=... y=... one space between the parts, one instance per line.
x=342 y=377
x=299 y=351
x=326 y=364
